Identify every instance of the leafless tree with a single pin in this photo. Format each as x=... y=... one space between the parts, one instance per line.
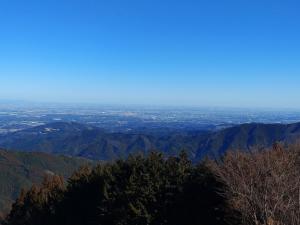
x=264 y=186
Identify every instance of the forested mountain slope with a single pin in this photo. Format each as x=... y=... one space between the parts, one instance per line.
x=20 y=170
x=92 y=142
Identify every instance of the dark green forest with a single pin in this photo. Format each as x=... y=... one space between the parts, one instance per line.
x=139 y=190
x=247 y=188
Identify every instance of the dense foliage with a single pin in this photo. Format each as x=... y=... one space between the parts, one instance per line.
x=245 y=188
x=139 y=191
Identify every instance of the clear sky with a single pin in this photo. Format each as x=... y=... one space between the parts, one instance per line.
x=169 y=52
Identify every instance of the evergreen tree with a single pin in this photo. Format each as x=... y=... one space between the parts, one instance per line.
x=138 y=191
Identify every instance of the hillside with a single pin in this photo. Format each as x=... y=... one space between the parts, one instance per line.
x=91 y=142
x=21 y=170
x=247 y=137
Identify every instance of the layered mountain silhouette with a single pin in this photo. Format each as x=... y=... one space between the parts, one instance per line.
x=75 y=139
x=31 y=161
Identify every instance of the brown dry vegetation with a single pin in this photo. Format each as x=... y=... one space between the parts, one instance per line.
x=245 y=188
x=264 y=187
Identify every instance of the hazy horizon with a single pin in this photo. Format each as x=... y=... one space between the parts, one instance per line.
x=18 y=103
x=174 y=53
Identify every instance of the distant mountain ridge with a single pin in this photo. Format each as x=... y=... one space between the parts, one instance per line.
x=249 y=136
x=91 y=142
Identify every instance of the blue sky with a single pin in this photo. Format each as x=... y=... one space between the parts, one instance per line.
x=202 y=53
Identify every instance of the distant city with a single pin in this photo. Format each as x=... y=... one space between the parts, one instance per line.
x=15 y=117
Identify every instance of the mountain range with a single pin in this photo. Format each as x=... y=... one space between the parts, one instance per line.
x=62 y=147
x=74 y=139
